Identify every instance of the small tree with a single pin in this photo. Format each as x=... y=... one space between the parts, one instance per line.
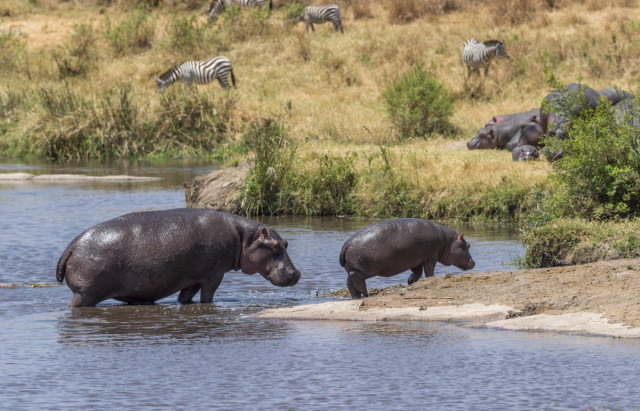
x=419 y=105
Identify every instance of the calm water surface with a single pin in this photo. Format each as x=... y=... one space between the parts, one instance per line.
x=216 y=356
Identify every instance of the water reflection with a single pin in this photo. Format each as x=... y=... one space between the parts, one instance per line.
x=161 y=324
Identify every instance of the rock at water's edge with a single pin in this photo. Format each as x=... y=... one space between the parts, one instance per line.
x=219 y=190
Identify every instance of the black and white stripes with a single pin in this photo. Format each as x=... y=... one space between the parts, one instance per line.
x=217 y=6
x=476 y=54
x=200 y=72
x=322 y=14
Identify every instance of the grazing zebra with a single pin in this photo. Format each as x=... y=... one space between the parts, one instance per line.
x=322 y=14
x=202 y=72
x=476 y=54
x=218 y=6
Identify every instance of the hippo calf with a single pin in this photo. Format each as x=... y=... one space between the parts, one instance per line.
x=142 y=257
x=524 y=153
x=390 y=247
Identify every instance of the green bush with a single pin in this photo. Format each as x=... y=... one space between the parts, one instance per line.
x=599 y=175
x=281 y=183
x=419 y=105
x=266 y=185
x=574 y=241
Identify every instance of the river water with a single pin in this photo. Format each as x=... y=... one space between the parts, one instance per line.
x=217 y=356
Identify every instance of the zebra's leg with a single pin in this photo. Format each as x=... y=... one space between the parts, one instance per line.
x=486 y=70
x=313 y=29
x=224 y=81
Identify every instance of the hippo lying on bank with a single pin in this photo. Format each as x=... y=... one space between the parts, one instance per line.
x=576 y=97
x=390 y=247
x=507 y=134
x=615 y=95
x=142 y=257
x=524 y=153
x=521 y=117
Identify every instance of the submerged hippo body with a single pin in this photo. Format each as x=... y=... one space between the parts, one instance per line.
x=142 y=257
x=390 y=247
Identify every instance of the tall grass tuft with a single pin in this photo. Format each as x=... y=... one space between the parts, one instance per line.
x=135 y=33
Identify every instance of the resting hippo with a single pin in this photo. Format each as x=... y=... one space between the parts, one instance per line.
x=142 y=257
x=390 y=247
x=524 y=153
x=529 y=134
x=497 y=135
x=615 y=95
x=579 y=97
x=523 y=117
x=484 y=139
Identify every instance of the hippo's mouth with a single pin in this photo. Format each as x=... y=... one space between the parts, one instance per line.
x=283 y=281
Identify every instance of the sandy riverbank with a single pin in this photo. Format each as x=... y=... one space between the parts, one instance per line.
x=601 y=298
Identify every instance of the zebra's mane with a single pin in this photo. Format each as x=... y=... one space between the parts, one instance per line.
x=490 y=43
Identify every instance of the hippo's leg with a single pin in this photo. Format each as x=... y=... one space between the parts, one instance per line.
x=352 y=289
x=429 y=267
x=80 y=300
x=209 y=288
x=357 y=280
x=416 y=273
x=186 y=294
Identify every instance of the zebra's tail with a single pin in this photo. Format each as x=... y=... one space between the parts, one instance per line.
x=270 y=4
x=233 y=78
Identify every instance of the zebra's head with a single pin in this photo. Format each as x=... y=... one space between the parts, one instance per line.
x=501 y=50
x=165 y=80
x=215 y=7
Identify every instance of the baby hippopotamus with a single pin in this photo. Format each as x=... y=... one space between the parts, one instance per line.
x=390 y=247
x=525 y=153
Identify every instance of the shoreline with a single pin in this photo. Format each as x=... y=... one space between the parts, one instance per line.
x=600 y=299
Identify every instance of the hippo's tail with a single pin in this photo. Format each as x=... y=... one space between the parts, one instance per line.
x=343 y=251
x=62 y=264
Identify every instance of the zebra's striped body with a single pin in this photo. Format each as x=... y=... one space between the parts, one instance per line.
x=322 y=14
x=200 y=72
x=217 y=6
x=476 y=54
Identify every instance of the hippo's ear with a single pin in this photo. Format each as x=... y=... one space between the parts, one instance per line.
x=534 y=119
x=262 y=233
x=286 y=244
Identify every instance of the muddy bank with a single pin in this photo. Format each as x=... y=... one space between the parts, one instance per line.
x=219 y=190
x=598 y=298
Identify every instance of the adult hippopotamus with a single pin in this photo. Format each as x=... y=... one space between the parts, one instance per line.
x=615 y=95
x=484 y=139
x=524 y=153
x=390 y=247
x=142 y=257
x=529 y=134
x=497 y=135
x=523 y=117
x=565 y=103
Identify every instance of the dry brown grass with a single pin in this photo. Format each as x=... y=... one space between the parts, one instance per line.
x=361 y=9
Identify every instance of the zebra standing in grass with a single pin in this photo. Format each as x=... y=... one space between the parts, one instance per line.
x=217 y=6
x=200 y=72
x=476 y=54
x=322 y=14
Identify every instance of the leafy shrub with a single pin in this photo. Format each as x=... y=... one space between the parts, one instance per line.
x=273 y=153
x=79 y=55
x=133 y=34
x=419 y=105
x=186 y=36
x=599 y=174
